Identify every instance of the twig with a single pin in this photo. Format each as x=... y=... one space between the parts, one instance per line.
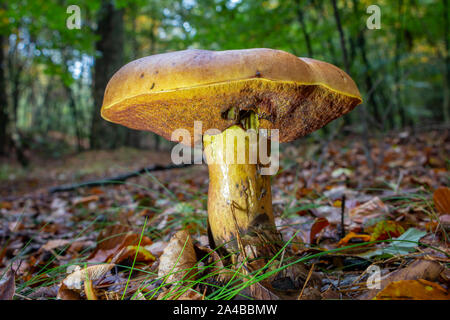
x=307 y=279
x=342 y=216
x=116 y=179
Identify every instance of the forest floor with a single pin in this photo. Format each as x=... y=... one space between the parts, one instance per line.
x=106 y=242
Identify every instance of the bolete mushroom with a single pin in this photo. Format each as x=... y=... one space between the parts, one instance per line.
x=231 y=91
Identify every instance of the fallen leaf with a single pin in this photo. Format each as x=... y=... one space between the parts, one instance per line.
x=180 y=293
x=65 y=293
x=318 y=225
x=6 y=205
x=44 y=292
x=404 y=244
x=113 y=240
x=143 y=255
x=372 y=206
x=157 y=248
x=341 y=171
x=413 y=290
x=260 y=292
x=441 y=199
x=178 y=259
x=8 y=286
x=330 y=294
x=85 y=200
x=445 y=221
x=214 y=264
x=386 y=229
x=96 y=191
x=138 y=296
x=419 y=269
x=53 y=244
x=15 y=226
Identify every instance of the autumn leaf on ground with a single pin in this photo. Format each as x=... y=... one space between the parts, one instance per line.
x=119 y=239
x=178 y=259
x=53 y=244
x=181 y=293
x=403 y=244
x=441 y=199
x=386 y=230
x=85 y=200
x=318 y=225
x=143 y=255
x=419 y=269
x=6 y=205
x=138 y=296
x=413 y=290
x=369 y=210
x=214 y=263
x=8 y=286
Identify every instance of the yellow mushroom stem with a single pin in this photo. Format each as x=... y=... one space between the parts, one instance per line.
x=240 y=213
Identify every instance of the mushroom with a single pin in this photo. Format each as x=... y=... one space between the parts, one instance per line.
x=231 y=91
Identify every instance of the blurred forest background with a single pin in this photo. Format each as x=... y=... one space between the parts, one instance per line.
x=52 y=78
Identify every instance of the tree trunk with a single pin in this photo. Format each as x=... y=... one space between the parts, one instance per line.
x=446 y=104
x=397 y=68
x=301 y=20
x=110 y=45
x=133 y=137
x=341 y=36
x=4 y=119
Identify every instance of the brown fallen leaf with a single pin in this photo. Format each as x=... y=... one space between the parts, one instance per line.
x=138 y=296
x=413 y=290
x=445 y=221
x=113 y=240
x=215 y=264
x=441 y=199
x=368 y=210
x=44 y=292
x=330 y=294
x=260 y=292
x=53 y=244
x=6 y=205
x=419 y=269
x=8 y=286
x=157 y=248
x=178 y=259
x=86 y=200
x=318 y=225
x=77 y=246
x=180 y=294
x=67 y=294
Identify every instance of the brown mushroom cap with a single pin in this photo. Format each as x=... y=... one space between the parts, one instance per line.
x=164 y=92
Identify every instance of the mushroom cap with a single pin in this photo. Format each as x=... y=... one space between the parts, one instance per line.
x=165 y=92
